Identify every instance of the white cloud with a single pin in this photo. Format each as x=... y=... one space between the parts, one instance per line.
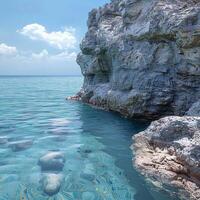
x=11 y=53
x=62 y=40
x=45 y=55
x=64 y=56
x=7 y=50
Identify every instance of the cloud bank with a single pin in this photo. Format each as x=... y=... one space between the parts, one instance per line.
x=7 y=50
x=62 y=40
x=13 y=53
x=59 y=52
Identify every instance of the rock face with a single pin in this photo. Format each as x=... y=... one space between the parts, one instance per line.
x=169 y=152
x=142 y=58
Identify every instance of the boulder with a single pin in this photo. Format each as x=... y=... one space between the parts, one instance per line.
x=168 y=151
x=52 y=161
x=51 y=183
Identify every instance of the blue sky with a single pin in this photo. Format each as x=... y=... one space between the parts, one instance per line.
x=41 y=37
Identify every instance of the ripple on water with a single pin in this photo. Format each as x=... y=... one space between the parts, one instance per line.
x=95 y=143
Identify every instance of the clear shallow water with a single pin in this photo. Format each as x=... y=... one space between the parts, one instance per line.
x=96 y=144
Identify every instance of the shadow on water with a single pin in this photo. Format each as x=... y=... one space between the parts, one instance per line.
x=116 y=132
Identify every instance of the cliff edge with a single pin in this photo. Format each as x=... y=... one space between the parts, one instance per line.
x=142 y=58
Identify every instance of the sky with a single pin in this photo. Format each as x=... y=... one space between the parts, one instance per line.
x=42 y=37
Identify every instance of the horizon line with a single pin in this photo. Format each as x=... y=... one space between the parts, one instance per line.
x=41 y=75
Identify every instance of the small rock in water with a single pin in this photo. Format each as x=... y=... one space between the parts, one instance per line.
x=53 y=161
x=89 y=177
x=3 y=140
x=51 y=183
x=21 y=145
x=88 y=196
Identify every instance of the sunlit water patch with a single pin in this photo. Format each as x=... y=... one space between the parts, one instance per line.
x=35 y=120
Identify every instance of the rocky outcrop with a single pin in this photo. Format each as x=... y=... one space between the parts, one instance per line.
x=169 y=152
x=142 y=58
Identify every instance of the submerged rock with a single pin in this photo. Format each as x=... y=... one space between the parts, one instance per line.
x=20 y=145
x=3 y=140
x=52 y=161
x=142 y=58
x=86 y=176
x=169 y=152
x=51 y=183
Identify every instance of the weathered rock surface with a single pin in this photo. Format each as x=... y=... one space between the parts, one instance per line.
x=169 y=152
x=142 y=58
x=52 y=161
x=51 y=183
x=194 y=110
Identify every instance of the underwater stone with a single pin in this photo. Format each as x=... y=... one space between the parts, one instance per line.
x=51 y=183
x=88 y=196
x=53 y=161
x=89 y=177
x=3 y=140
x=21 y=145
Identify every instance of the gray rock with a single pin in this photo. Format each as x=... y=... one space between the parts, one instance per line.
x=51 y=183
x=52 y=161
x=142 y=58
x=86 y=176
x=194 y=110
x=169 y=152
x=20 y=145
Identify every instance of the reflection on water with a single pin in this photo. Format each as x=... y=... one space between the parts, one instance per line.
x=35 y=119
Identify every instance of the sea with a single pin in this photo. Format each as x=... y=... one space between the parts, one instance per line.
x=96 y=144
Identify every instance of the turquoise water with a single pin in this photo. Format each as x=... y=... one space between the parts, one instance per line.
x=95 y=143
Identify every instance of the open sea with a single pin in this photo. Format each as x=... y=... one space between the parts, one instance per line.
x=35 y=119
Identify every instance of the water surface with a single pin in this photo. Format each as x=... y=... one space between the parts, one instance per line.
x=95 y=143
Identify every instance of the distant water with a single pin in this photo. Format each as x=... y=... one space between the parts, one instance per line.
x=96 y=144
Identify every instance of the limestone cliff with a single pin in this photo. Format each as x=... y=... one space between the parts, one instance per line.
x=142 y=58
